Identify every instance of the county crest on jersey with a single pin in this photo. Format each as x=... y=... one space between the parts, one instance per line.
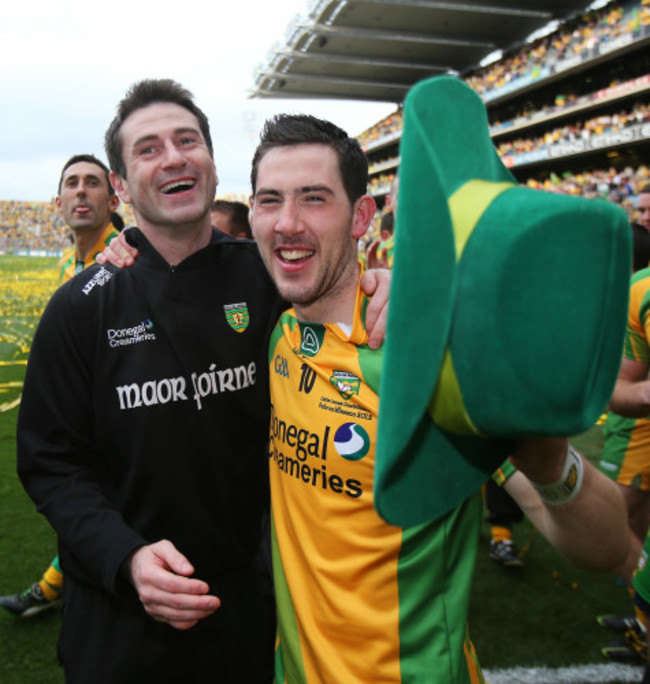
x=237 y=316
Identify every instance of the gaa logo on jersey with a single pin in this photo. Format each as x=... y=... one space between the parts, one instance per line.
x=352 y=442
x=346 y=383
x=237 y=316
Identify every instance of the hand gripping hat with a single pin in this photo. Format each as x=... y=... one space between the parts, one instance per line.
x=507 y=311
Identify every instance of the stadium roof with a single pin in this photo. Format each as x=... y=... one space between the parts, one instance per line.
x=377 y=49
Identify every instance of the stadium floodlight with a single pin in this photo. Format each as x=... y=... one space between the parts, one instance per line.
x=494 y=56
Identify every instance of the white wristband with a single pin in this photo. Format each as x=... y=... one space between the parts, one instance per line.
x=568 y=485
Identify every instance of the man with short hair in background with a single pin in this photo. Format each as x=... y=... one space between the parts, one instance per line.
x=87 y=201
x=231 y=218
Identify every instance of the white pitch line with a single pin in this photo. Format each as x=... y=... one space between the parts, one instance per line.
x=610 y=673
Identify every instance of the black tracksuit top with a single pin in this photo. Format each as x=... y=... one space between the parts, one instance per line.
x=145 y=410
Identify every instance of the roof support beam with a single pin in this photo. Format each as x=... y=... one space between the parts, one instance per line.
x=346 y=61
x=385 y=35
x=465 y=7
x=324 y=80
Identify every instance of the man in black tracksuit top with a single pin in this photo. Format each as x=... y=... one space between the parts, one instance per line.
x=145 y=417
x=144 y=422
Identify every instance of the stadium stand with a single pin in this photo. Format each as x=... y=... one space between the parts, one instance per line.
x=569 y=112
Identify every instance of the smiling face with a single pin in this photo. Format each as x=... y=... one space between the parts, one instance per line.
x=306 y=229
x=84 y=199
x=170 y=174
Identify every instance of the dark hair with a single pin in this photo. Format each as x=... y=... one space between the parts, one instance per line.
x=91 y=159
x=387 y=223
x=288 y=129
x=238 y=213
x=644 y=189
x=143 y=94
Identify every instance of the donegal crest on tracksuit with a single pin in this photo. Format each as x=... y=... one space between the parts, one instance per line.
x=358 y=600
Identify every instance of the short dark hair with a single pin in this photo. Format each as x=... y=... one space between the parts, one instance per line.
x=91 y=159
x=297 y=129
x=140 y=95
x=387 y=223
x=238 y=213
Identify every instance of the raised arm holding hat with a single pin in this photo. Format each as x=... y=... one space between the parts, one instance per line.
x=512 y=326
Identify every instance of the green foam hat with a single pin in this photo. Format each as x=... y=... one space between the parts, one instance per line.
x=507 y=312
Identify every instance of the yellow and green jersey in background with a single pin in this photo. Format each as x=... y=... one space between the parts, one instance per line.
x=637 y=345
x=386 y=249
x=637 y=348
x=69 y=265
x=359 y=600
x=627 y=440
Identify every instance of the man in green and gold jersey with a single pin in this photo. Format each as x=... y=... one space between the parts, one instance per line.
x=359 y=599
x=87 y=202
x=626 y=459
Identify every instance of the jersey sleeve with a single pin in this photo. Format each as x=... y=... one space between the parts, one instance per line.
x=636 y=346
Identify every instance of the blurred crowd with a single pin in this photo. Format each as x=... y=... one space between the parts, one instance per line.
x=38 y=228
x=578 y=36
x=34 y=226
x=616 y=186
x=603 y=122
x=579 y=130
x=619 y=186
x=581 y=34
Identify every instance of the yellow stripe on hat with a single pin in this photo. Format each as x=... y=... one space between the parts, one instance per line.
x=446 y=407
x=466 y=206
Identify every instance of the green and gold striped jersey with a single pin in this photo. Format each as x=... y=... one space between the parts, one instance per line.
x=69 y=265
x=637 y=338
x=627 y=440
x=386 y=249
x=359 y=600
